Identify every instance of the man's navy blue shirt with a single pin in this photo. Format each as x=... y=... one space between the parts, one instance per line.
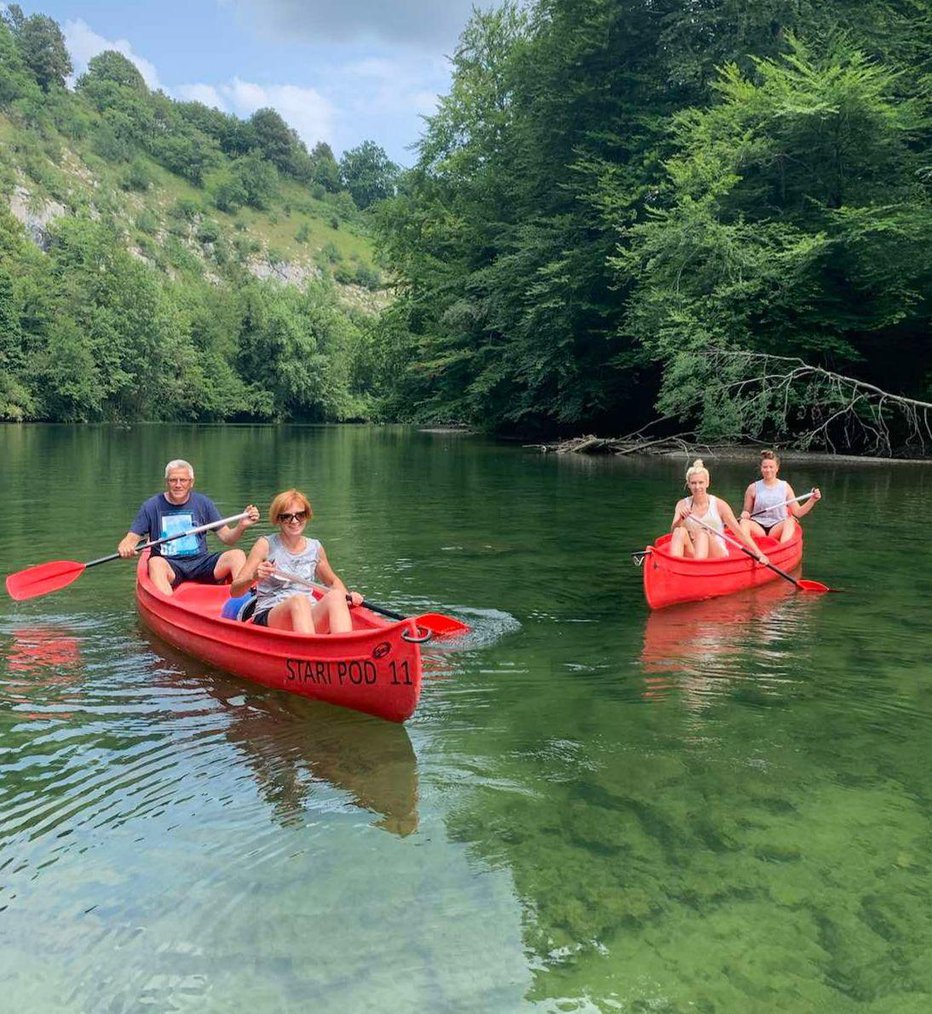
x=159 y=517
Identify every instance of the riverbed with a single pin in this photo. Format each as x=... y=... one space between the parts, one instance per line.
x=717 y=807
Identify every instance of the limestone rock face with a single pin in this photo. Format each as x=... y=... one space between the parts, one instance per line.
x=35 y=216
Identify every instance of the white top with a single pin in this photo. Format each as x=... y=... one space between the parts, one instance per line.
x=712 y=518
x=770 y=501
x=275 y=589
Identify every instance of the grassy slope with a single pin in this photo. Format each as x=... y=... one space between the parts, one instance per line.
x=71 y=174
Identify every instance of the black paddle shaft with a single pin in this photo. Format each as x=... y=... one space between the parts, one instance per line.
x=171 y=538
x=772 y=566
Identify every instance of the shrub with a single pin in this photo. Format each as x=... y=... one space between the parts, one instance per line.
x=222 y=251
x=180 y=256
x=137 y=176
x=368 y=277
x=208 y=231
x=185 y=208
x=147 y=222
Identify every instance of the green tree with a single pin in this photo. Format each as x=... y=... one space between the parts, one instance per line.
x=67 y=376
x=226 y=189
x=42 y=47
x=293 y=351
x=511 y=234
x=13 y=17
x=796 y=225
x=278 y=142
x=15 y=79
x=258 y=178
x=368 y=174
x=15 y=401
x=324 y=167
x=232 y=135
x=113 y=67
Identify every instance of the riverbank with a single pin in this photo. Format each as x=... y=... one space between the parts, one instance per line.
x=677 y=447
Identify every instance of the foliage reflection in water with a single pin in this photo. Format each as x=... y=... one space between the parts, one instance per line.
x=719 y=806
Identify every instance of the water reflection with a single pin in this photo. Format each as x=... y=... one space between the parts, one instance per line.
x=292 y=744
x=43 y=669
x=44 y=651
x=701 y=649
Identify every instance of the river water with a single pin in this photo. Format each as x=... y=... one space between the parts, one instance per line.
x=718 y=807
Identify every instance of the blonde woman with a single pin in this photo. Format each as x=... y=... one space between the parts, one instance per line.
x=691 y=539
x=283 y=604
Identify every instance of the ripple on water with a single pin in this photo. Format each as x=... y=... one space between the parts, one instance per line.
x=92 y=748
x=486 y=627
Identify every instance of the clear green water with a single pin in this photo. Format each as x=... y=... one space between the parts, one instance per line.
x=723 y=807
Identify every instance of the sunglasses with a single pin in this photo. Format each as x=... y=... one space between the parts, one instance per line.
x=297 y=516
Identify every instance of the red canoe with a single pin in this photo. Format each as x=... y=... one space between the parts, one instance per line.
x=670 y=579
x=376 y=668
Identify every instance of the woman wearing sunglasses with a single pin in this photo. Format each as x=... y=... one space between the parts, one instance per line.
x=290 y=552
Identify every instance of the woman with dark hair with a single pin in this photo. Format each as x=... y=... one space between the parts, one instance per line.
x=290 y=551
x=766 y=507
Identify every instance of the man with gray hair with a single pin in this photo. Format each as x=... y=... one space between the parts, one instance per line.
x=180 y=509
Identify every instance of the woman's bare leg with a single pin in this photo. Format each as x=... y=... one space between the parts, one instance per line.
x=295 y=613
x=331 y=613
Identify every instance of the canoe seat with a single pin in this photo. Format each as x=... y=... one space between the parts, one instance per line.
x=240 y=608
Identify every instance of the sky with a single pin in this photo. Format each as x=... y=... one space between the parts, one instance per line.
x=340 y=71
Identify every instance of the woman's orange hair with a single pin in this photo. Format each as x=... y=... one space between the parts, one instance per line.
x=279 y=503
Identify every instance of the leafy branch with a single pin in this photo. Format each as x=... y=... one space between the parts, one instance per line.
x=822 y=408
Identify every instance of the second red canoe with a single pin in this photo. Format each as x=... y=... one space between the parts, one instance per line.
x=671 y=579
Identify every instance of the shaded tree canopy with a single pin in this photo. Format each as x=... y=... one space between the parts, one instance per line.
x=611 y=186
x=325 y=169
x=278 y=142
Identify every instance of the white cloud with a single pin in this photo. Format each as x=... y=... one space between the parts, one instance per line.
x=380 y=95
x=305 y=109
x=84 y=43
x=204 y=93
x=414 y=23
x=390 y=86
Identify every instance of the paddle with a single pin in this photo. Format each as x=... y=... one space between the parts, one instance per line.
x=806 y=586
x=49 y=577
x=437 y=623
x=796 y=499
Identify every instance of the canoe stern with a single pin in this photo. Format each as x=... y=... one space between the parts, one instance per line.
x=375 y=669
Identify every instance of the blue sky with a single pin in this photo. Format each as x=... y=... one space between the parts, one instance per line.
x=340 y=71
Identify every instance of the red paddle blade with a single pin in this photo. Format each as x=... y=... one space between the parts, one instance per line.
x=440 y=625
x=47 y=577
x=812 y=586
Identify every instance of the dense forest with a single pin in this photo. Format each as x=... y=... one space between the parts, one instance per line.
x=714 y=212
x=703 y=215
x=152 y=292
